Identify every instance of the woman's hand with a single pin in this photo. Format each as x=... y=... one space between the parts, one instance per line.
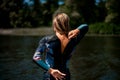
x=56 y=74
x=73 y=33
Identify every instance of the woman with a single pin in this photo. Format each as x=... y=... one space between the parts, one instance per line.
x=58 y=48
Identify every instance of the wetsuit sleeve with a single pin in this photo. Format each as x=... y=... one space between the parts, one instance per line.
x=83 y=30
x=38 y=55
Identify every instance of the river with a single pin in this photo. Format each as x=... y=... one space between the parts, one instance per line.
x=95 y=58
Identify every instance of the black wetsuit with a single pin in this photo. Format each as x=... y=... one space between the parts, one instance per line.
x=54 y=58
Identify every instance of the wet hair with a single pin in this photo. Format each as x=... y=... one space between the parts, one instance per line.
x=61 y=23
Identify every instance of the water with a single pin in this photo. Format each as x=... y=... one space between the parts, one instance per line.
x=95 y=58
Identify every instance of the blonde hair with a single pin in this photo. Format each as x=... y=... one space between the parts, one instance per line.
x=61 y=23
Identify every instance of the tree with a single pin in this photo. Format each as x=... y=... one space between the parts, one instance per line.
x=10 y=13
x=48 y=9
x=80 y=11
x=113 y=8
x=101 y=11
x=87 y=9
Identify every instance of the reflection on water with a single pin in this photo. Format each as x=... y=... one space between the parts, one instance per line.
x=95 y=58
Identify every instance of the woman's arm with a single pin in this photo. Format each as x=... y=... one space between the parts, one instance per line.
x=54 y=72
x=73 y=33
x=79 y=32
x=38 y=59
x=38 y=54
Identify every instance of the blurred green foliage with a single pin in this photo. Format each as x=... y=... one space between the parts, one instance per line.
x=18 y=14
x=104 y=28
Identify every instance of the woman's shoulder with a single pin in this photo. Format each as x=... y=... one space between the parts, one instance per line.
x=49 y=38
x=52 y=38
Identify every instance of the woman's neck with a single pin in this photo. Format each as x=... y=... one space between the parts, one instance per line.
x=61 y=36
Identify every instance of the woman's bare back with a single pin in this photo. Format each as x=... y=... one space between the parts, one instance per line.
x=64 y=41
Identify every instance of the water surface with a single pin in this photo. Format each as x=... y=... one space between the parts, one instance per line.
x=95 y=58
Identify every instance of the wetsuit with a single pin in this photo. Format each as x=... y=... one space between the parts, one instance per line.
x=54 y=58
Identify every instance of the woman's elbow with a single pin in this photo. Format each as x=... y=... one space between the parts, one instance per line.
x=36 y=59
x=36 y=56
x=86 y=28
x=33 y=58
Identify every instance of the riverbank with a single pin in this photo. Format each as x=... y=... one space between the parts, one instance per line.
x=37 y=32
x=27 y=31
